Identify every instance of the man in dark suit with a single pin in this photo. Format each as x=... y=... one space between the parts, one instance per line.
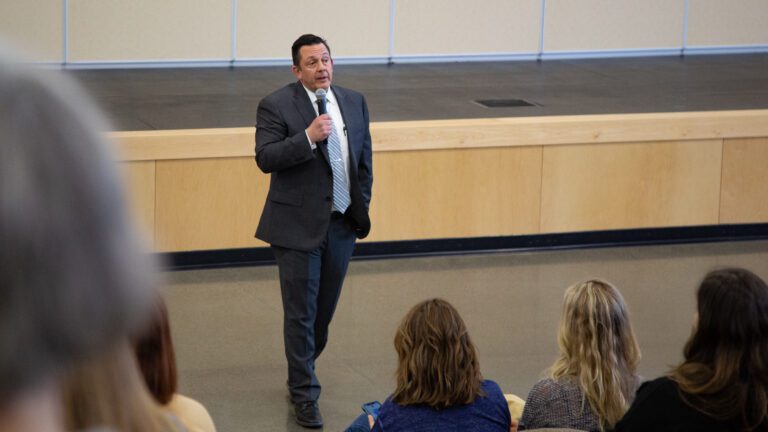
x=320 y=188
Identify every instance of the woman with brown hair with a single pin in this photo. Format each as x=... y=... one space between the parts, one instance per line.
x=157 y=362
x=722 y=385
x=591 y=384
x=106 y=391
x=439 y=385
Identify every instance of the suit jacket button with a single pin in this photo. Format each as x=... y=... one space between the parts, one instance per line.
x=327 y=198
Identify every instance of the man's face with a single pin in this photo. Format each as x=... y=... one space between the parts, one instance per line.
x=315 y=69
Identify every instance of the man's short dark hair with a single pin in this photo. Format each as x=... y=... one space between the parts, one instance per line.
x=306 y=40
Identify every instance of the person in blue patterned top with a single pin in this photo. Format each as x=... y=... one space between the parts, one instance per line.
x=439 y=385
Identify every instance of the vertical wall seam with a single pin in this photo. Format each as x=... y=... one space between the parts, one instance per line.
x=154 y=206
x=391 y=53
x=541 y=29
x=722 y=170
x=233 y=40
x=686 y=5
x=541 y=190
x=65 y=32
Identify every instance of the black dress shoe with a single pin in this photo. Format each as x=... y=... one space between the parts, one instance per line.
x=308 y=414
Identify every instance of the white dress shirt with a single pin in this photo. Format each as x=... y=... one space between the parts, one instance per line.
x=332 y=107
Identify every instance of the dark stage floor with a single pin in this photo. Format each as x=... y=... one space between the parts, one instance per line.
x=141 y=99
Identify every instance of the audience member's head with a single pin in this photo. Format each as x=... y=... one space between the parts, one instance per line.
x=72 y=277
x=157 y=362
x=598 y=348
x=156 y=356
x=107 y=391
x=438 y=364
x=725 y=371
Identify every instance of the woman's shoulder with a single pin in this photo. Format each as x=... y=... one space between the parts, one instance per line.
x=192 y=413
x=493 y=395
x=491 y=387
x=662 y=392
x=555 y=387
x=494 y=401
x=657 y=387
x=657 y=406
x=557 y=402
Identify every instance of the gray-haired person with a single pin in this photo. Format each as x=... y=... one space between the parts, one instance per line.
x=73 y=277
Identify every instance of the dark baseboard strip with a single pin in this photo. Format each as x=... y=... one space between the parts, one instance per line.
x=536 y=242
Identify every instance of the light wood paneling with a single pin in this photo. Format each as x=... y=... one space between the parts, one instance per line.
x=744 y=196
x=634 y=185
x=467 y=133
x=140 y=183
x=35 y=26
x=555 y=130
x=717 y=23
x=117 y=30
x=185 y=143
x=470 y=178
x=455 y=193
x=267 y=29
x=589 y=25
x=208 y=204
x=428 y=27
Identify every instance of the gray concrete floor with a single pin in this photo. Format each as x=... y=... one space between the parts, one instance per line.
x=227 y=323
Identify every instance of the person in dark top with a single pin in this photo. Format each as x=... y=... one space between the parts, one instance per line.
x=439 y=385
x=722 y=385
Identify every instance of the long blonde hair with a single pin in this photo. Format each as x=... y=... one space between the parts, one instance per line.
x=598 y=348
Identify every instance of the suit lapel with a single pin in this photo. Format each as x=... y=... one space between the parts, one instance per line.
x=304 y=106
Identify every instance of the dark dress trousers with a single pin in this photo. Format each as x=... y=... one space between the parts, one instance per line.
x=311 y=246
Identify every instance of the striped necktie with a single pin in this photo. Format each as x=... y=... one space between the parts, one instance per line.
x=341 y=198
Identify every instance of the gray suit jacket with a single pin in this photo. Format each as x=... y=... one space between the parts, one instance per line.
x=298 y=207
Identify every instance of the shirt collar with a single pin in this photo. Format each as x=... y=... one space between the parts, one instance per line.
x=329 y=96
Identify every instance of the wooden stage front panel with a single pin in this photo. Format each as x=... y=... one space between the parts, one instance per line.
x=201 y=189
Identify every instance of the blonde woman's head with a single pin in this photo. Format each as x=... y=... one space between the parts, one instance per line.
x=598 y=349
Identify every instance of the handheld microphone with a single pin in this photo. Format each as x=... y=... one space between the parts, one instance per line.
x=320 y=93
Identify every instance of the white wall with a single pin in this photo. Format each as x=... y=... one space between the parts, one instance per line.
x=724 y=23
x=593 y=25
x=353 y=28
x=138 y=30
x=457 y=27
x=88 y=32
x=35 y=26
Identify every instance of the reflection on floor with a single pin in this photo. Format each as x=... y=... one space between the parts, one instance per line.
x=227 y=323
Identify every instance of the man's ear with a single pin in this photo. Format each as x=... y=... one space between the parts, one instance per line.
x=296 y=71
